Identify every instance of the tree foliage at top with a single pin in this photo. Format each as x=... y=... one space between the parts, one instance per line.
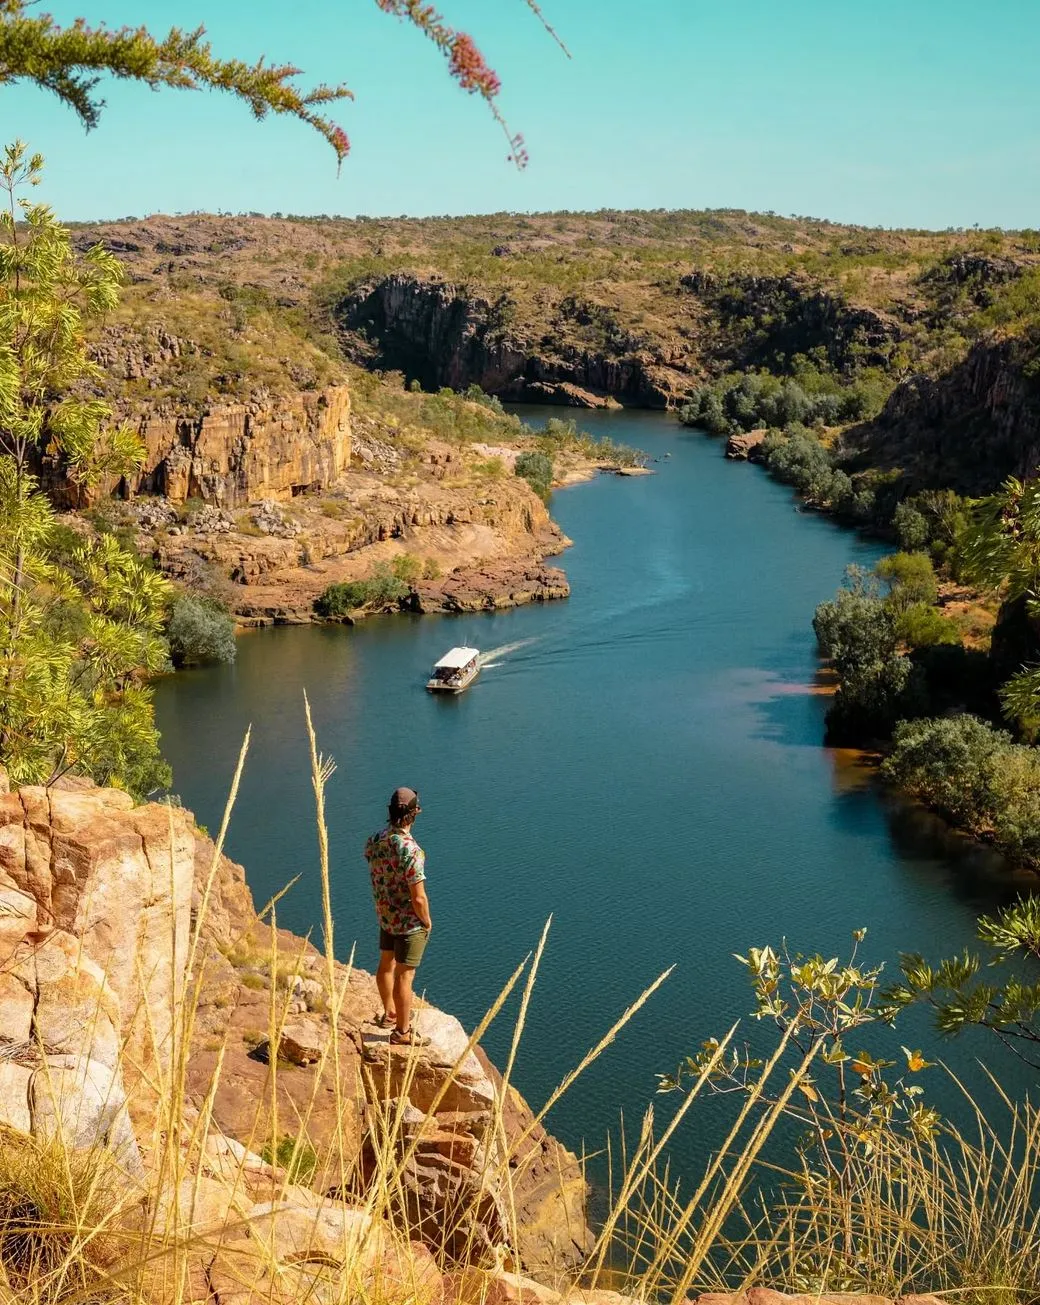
x=70 y=62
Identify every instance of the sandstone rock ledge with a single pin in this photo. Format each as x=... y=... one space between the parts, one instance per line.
x=484 y=544
x=103 y=905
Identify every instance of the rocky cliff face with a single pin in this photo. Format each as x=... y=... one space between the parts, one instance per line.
x=101 y=906
x=443 y=334
x=968 y=429
x=95 y=897
x=482 y=540
x=231 y=454
x=234 y=453
x=568 y=349
x=767 y=320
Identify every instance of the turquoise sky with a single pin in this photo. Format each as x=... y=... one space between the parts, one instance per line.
x=886 y=112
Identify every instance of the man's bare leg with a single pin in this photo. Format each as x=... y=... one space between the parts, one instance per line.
x=403 y=976
x=385 y=982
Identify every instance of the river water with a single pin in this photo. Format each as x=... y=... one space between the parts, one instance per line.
x=644 y=764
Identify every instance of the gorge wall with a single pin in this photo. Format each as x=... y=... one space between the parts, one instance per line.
x=443 y=334
x=233 y=453
x=967 y=429
x=271 y=445
x=566 y=348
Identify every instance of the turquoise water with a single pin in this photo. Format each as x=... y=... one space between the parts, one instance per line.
x=645 y=767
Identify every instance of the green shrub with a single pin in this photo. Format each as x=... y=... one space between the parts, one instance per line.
x=295 y=1155
x=200 y=630
x=743 y=401
x=561 y=435
x=877 y=685
x=537 y=470
x=431 y=569
x=338 y=599
x=974 y=775
x=476 y=395
x=856 y=627
x=407 y=567
x=379 y=589
x=910 y=577
x=920 y=625
x=798 y=458
x=911 y=527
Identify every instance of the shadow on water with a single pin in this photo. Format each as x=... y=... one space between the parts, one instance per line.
x=927 y=845
x=976 y=874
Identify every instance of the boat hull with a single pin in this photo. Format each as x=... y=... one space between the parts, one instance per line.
x=446 y=686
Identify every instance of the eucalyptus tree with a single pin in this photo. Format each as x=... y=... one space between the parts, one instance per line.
x=77 y=632
x=999 y=550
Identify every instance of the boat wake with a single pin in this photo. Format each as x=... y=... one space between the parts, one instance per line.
x=493 y=657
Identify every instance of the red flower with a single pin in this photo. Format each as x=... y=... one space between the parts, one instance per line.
x=469 y=68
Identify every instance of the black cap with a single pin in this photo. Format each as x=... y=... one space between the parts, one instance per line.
x=404 y=801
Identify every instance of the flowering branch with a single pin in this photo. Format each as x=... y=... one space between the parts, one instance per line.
x=466 y=63
x=69 y=61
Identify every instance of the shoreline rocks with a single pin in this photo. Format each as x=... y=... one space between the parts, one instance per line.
x=746 y=446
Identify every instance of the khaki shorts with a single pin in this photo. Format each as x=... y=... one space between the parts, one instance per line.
x=407 y=948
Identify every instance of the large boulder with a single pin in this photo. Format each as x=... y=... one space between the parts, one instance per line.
x=746 y=446
x=95 y=896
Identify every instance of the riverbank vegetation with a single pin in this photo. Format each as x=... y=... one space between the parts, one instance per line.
x=946 y=713
x=383 y=586
x=811 y=394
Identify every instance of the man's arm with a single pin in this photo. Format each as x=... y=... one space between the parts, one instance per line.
x=421 y=903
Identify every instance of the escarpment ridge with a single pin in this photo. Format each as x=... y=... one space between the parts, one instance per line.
x=580 y=309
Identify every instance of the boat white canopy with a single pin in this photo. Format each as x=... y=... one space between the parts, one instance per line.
x=456 y=658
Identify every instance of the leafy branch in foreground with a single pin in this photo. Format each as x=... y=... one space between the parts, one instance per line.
x=77 y=632
x=69 y=61
x=854 y=1106
x=465 y=62
x=1010 y=1008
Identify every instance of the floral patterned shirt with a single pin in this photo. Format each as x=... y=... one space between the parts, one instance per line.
x=396 y=861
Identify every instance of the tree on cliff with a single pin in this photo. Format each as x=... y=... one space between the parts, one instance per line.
x=1000 y=551
x=69 y=62
x=77 y=629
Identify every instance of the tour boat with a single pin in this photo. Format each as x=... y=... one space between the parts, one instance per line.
x=455 y=671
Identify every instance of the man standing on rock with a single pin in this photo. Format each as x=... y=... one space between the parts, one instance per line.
x=398 y=867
